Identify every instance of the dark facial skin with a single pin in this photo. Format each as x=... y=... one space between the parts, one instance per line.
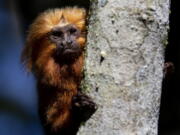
x=65 y=40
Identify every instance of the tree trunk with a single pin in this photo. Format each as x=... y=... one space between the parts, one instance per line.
x=124 y=65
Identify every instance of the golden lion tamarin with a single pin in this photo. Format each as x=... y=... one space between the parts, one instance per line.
x=54 y=52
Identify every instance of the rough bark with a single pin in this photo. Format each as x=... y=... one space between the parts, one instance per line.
x=124 y=62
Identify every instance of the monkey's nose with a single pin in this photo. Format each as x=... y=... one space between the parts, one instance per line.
x=69 y=43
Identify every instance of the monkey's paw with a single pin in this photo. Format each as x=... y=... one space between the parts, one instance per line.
x=168 y=70
x=83 y=106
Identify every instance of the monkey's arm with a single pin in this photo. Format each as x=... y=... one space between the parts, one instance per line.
x=60 y=115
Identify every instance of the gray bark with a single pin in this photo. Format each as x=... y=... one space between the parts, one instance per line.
x=124 y=63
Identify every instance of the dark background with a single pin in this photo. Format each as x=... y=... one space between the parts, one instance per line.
x=169 y=122
x=18 y=101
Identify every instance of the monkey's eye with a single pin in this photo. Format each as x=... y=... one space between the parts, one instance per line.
x=72 y=30
x=57 y=33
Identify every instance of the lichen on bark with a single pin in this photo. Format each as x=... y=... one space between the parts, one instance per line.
x=123 y=68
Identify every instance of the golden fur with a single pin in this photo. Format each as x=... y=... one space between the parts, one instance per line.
x=57 y=83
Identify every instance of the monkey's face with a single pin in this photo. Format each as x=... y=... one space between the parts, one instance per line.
x=58 y=34
x=66 y=40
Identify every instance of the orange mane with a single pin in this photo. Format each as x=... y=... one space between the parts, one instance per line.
x=51 y=18
x=37 y=54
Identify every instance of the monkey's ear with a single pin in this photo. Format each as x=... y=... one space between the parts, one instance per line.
x=26 y=57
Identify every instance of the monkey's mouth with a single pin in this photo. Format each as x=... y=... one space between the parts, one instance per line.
x=70 y=51
x=67 y=54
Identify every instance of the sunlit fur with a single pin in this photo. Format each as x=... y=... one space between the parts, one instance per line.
x=57 y=83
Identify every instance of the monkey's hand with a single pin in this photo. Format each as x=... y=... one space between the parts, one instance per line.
x=168 y=70
x=83 y=106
